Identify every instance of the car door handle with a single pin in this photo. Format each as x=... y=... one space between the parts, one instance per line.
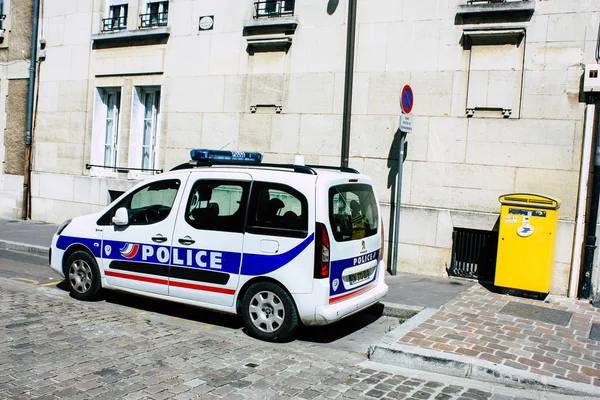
x=159 y=238
x=187 y=240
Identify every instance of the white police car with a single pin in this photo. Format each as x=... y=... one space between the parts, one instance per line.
x=278 y=244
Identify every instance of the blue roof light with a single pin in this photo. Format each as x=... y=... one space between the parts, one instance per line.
x=205 y=155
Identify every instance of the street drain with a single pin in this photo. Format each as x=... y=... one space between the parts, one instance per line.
x=537 y=313
x=595 y=332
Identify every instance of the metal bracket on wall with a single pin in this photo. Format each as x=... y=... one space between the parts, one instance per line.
x=254 y=108
x=506 y=112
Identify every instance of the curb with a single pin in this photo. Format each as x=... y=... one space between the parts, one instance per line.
x=25 y=248
x=390 y=352
x=400 y=310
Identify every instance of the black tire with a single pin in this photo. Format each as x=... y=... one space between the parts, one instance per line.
x=83 y=276
x=269 y=312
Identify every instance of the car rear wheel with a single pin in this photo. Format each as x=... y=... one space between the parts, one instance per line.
x=269 y=313
x=83 y=276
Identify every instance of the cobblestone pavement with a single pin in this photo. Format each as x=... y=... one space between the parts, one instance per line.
x=54 y=347
x=472 y=324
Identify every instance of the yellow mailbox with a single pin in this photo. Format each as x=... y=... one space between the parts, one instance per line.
x=527 y=242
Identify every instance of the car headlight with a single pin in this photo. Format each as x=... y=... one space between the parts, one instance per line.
x=63 y=226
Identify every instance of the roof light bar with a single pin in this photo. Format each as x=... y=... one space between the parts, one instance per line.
x=205 y=155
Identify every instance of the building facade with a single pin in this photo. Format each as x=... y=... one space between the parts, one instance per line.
x=129 y=87
x=15 y=48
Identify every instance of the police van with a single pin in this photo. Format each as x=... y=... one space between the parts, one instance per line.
x=277 y=244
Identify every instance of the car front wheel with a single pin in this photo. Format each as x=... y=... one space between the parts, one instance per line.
x=82 y=276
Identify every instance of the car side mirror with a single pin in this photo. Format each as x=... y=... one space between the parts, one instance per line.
x=121 y=217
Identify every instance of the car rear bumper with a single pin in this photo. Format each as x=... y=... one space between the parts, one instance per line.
x=327 y=314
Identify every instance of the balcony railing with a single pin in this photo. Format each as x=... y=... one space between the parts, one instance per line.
x=154 y=19
x=485 y=1
x=114 y=24
x=273 y=8
x=493 y=1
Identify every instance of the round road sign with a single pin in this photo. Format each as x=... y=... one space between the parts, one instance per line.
x=406 y=99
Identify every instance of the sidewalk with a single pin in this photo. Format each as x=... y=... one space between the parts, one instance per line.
x=457 y=327
x=551 y=344
x=26 y=236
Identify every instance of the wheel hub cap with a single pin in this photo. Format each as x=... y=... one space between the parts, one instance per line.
x=267 y=312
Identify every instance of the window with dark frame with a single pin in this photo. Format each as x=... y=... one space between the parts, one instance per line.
x=117 y=18
x=274 y=8
x=157 y=14
x=2 y=15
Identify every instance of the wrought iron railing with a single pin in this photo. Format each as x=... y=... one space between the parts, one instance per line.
x=487 y=1
x=122 y=169
x=114 y=24
x=154 y=19
x=273 y=8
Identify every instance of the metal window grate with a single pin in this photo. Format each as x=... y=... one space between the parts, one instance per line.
x=154 y=19
x=274 y=8
x=474 y=254
x=114 y=24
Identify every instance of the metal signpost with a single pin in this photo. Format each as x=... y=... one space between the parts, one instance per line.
x=406 y=103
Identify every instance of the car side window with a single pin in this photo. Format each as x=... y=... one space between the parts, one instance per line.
x=277 y=210
x=217 y=205
x=148 y=205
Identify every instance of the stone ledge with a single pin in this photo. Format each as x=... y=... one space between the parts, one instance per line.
x=261 y=26
x=124 y=38
x=507 y=11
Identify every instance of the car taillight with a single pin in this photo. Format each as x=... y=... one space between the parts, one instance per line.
x=321 y=252
x=382 y=242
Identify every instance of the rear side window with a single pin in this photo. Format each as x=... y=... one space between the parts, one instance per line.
x=277 y=210
x=217 y=205
x=352 y=212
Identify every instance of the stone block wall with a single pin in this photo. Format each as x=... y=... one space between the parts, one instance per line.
x=456 y=169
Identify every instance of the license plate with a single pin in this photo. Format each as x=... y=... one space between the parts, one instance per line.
x=358 y=277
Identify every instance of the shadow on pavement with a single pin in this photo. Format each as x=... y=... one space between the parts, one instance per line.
x=340 y=329
x=165 y=307
x=315 y=334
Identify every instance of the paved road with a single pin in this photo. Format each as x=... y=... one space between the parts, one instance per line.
x=355 y=334
x=53 y=346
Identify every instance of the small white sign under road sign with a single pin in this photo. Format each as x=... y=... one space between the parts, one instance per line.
x=406 y=123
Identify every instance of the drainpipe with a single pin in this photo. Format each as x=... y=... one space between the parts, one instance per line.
x=585 y=279
x=584 y=175
x=25 y=208
x=348 y=82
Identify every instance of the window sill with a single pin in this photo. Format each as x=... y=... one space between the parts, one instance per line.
x=155 y=35
x=265 y=26
x=268 y=44
x=103 y=173
x=139 y=175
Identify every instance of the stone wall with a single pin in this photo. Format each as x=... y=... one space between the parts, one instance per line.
x=15 y=50
x=457 y=166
